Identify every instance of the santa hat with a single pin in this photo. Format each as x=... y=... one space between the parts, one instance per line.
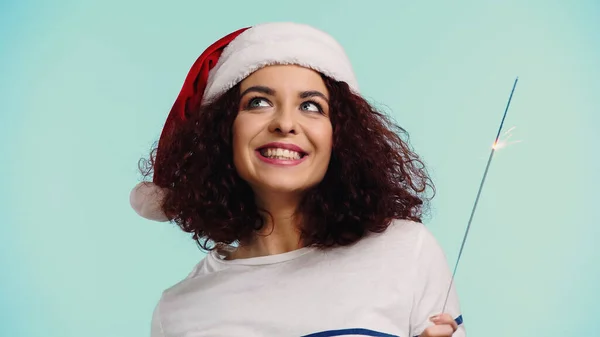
x=226 y=63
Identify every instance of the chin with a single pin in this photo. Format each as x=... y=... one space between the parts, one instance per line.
x=284 y=188
x=283 y=185
x=282 y=181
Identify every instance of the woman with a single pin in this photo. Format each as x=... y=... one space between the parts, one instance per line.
x=306 y=198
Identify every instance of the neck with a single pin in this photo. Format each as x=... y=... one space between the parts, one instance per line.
x=280 y=233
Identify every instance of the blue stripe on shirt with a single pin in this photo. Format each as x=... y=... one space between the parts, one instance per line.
x=345 y=332
x=362 y=332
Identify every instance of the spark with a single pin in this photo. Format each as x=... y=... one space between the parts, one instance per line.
x=504 y=140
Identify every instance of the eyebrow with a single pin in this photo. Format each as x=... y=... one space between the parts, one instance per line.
x=259 y=89
x=271 y=92
x=313 y=93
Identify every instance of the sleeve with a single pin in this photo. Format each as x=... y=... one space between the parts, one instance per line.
x=432 y=279
x=156 y=325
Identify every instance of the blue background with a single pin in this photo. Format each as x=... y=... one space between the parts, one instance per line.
x=85 y=88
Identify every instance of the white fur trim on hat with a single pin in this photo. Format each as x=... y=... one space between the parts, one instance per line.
x=279 y=43
x=146 y=199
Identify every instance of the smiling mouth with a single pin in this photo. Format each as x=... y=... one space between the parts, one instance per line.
x=281 y=154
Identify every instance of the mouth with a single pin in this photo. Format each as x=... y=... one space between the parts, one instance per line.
x=281 y=152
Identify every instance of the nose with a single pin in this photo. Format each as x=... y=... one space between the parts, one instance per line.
x=284 y=121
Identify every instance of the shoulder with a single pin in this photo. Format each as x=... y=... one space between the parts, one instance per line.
x=424 y=244
x=404 y=242
x=407 y=233
x=406 y=228
x=401 y=243
x=183 y=285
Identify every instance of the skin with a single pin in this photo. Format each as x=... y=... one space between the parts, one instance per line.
x=287 y=104
x=294 y=110
x=444 y=326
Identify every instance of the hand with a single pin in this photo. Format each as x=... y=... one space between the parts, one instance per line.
x=444 y=326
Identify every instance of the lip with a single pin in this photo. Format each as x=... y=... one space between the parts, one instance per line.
x=281 y=162
x=284 y=146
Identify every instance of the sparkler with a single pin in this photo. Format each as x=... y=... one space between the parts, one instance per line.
x=497 y=144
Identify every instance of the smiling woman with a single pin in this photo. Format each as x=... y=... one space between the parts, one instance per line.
x=306 y=197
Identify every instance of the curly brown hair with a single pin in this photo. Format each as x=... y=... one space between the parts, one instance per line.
x=373 y=176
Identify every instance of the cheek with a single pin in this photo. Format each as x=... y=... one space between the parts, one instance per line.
x=238 y=137
x=323 y=139
x=244 y=130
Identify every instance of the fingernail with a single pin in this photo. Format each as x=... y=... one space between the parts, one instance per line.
x=434 y=318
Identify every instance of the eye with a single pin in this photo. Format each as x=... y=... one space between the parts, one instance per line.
x=258 y=102
x=311 y=106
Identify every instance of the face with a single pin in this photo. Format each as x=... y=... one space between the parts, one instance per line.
x=282 y=135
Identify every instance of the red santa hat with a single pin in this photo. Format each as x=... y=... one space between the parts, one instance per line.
x=226 y=63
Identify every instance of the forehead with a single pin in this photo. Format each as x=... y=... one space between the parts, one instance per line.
x=285 y=77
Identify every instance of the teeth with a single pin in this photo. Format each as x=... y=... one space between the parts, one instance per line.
x=281 y=154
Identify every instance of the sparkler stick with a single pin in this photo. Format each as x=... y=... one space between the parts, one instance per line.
x=479 y=193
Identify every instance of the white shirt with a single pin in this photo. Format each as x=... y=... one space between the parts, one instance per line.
x=386 y=284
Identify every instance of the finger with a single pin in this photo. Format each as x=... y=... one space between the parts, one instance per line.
x=444 y=319
x=444 y=330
